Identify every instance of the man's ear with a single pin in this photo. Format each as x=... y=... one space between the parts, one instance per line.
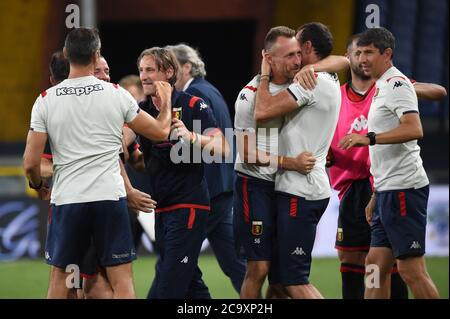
x=95 y=57
x=187 y=67
x=308 y=47
x=66 y=55
x=169 y=73
x=388 y=53
x=269 y=58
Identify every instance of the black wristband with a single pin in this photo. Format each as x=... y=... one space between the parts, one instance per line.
x=36 y=187
x=372 y=137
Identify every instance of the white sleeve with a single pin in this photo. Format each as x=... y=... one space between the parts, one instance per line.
x=301 y=95
x=244 y=108
x=401 y=98
x=38 y=116
x=130 y=108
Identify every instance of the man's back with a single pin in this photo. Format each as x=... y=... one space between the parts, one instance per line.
x=83 y=118
x=310 y=129
x=218 y=175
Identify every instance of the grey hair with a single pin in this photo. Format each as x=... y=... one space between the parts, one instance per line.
x=185 y=54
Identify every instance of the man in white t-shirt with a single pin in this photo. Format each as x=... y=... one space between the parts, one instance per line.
x=310 y=119
x=254 y=213
x=399 y=203
x=83 y=117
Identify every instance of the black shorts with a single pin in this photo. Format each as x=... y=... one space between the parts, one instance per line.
x=353 y=233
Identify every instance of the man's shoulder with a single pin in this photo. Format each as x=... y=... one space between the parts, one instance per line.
x=190 y=101
x=248 y=93
x=328 y=77
x=394 y=79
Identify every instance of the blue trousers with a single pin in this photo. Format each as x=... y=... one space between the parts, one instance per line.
x=221 y=239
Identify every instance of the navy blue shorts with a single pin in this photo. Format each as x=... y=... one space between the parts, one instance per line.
x=254 y=218
x=297 y=223
x=399 y=221
x=180 y=232
x=89 y=267
x=72 y=228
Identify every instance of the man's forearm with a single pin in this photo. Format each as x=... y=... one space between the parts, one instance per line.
x=33 y=174
x=165 y=117
x=262 y=96
x=332 y=63
x=46 y=168
x=126 y=180
x=214 y=144
x=401 y=134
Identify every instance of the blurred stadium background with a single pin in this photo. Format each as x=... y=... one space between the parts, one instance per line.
x=229 y=35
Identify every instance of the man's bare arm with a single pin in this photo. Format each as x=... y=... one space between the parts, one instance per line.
x=250 y=154
x=430 y=91
x=155 y=129
x=32 y=156
x=46 y=167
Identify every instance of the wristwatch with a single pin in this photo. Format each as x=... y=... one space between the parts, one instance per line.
x=372 y=137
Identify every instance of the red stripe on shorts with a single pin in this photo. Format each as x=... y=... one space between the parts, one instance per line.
x=402 y=200
x=293 y=208
x=191 y=218
x=245 y=195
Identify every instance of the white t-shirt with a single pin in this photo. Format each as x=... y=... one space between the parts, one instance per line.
x=83 y=118
x=394 y=166
x=267 y=133
x=310 y=128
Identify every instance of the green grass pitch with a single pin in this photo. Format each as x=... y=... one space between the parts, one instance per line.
x=29 y=278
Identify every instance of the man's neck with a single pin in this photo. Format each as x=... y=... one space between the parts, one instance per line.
x=310 y=59
x=385 y=68
x=77 y=71
x=187 y=83
x=361 y=85
x=278 y=79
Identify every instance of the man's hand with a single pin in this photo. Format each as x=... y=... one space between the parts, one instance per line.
x=369 y=208
x=330 y=158
x=163 y=93
x=180 y=130
x=45 y=191
x=265 y=66
x=304 y=163
x=306 y=77
x=140 y=201
x=351 y=140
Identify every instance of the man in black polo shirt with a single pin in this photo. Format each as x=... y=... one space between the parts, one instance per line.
x=177 y=176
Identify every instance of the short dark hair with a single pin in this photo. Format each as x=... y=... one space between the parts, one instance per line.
x=381 y=38
x=352 y=39
x=81 y=44
x=59 y=66
x=320 y=37
x=165 y=59
x=274 y=33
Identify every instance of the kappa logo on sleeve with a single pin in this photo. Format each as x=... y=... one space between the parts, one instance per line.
x=78 y=90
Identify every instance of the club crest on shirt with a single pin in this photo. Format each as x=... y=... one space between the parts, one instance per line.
x=177 y=112
x=257 y=228
x=376 y=92
x=340 y=234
